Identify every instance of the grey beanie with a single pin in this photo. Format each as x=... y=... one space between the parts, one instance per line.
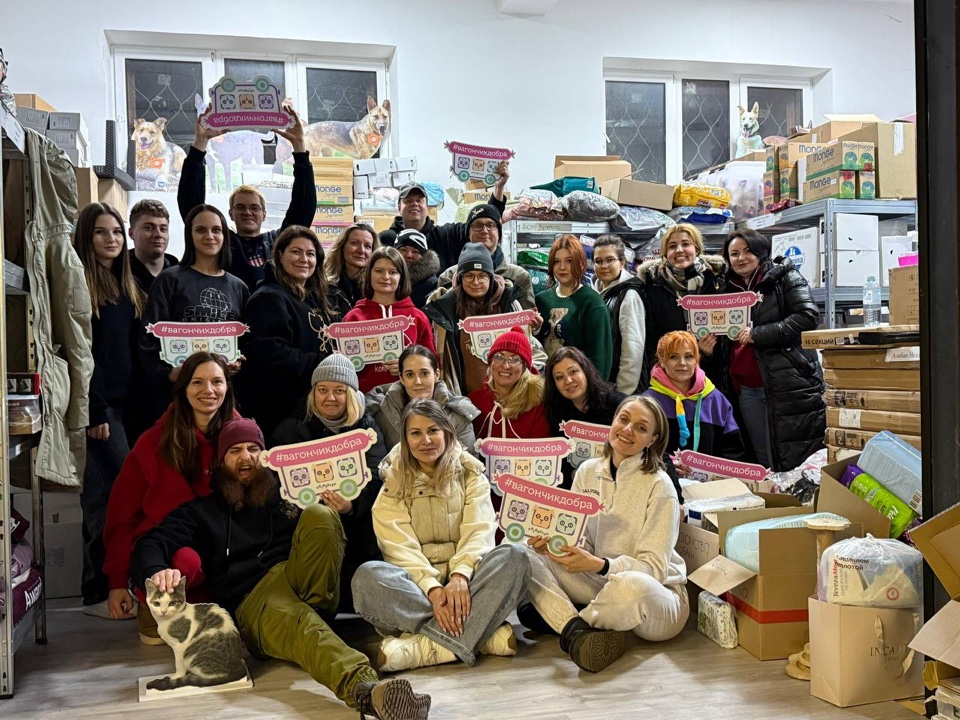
x=474 y=257
x=336 y=368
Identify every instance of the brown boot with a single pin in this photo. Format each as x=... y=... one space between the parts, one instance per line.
x=148 y=626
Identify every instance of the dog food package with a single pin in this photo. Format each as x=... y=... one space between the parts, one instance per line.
x=701 y=195
x=582 y=206
x=871 y=572
x=717 y=620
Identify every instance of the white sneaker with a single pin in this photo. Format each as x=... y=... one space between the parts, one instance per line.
x=411 y=651
x=503 y=642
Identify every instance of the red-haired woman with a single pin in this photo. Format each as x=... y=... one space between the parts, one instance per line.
x=574 y=314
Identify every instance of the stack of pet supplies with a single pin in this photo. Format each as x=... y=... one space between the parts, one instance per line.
x=67 y=130
x=334 y=180
x=25 y=582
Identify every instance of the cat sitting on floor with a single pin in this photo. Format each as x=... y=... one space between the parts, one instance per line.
x=206 y=644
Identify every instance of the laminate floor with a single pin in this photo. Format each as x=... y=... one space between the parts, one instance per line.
x=90 y=667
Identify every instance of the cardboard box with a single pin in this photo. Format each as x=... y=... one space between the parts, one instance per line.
x=696 y=546
x=789 y=184
x=856 y=439
x=624 y=191
x=896 y=157
x=468 y=197
x=404 y=164
x=877 y=420
x=873 y=379
x=834 y=497
x=601 y=167
x=872 y=338
x=837 y=184
x=791 y=151
x=853 y=267
x=364 y=167
x=771 y=186
x=32 y=101
x=883 y=400
x=903 y=358
x=63 y=557
x=841 y=155
x=361 y=187
x=378 y=222
x=111 y=192
x=861 y=655
x=839 y=125
x=837 y=454
x=892 y=248
x=328 y=232
x=401 y=178
x=69 y=121
x=334 y=190
x=866 y=185
x=34 y=119
x=803 y=248
x=380 y=180
x=87 y=187
x=939 y=541
x=381 y=165
x=857 y=232
x=905 y=296
x=334 y=214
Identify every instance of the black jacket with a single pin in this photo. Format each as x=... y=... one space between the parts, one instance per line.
x=792 y=378
x=663 y=315
x=249 y=255
x=423 y=278
x=236 y=547
x=446 y=240
x=282 y=350
x=115 y=335
x=143 y=276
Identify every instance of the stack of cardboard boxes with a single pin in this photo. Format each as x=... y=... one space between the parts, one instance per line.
x=843 y=169
x=334 y=180
x=788 y=156
x=377 y=173
x=870 y=387
x=66 y=129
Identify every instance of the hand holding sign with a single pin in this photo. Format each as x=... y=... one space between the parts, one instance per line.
x=483 y=330
x=255 y=105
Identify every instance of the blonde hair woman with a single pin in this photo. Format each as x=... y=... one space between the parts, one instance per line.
x=444 y=591
x=625 y=569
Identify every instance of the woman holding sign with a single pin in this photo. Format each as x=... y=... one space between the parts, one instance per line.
x=444 y=591
x=625 y=570
x=335 y=406
x=386 y=294
x=779 y=384
x=287 y=315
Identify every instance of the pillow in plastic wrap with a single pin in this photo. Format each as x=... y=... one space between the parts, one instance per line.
x=871 y=572
x=742 y=544
x=538 y=204
x=895 y=464
x=717 y=620
x=696 y=509
x=582 y=206
x=637 y=218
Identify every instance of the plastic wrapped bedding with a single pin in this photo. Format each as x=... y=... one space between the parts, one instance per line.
x=696 y=509
x=742 y=543
x=582 y=206
x=871 y=572
x=717 y=620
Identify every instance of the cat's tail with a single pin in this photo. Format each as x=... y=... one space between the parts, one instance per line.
x=193 y=680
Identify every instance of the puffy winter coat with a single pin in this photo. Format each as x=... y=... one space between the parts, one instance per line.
x=423 y=277
x=792 y=377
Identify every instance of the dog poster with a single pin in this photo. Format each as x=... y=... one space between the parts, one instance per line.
x=588 y=440
x=707 y=468
x=726 y=314
x=483 y=330
x=180 y=340
x=255 y=105
x=359 y=140
x=159 y=162
x=474 y=162
x=334 y=464
x=530 y=510
x=370 y=341
x=535 y=460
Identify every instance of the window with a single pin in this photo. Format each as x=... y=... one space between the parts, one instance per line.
x=671 y=127
x=164 y=89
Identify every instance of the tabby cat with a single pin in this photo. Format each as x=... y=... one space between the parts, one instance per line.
x=206 y=644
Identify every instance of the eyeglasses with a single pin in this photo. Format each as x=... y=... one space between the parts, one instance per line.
x=501 y=359
x=252 y=209
x=484 y=227
x=605 y=261
x=476 y=278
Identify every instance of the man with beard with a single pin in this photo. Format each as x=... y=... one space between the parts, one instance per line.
x=276 y=569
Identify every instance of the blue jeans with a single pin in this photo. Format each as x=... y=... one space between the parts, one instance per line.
x=104 y=458
x=753 y=409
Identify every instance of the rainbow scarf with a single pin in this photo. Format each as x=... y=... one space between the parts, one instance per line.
x=702 y=386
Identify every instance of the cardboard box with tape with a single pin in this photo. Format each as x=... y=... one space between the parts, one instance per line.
x=601 y=167
x=624 y=191
x=901 y=358
x=889 y=400
x=905 y=295
x=855 y=440
x=877 y=420
x=902 y=335
x=872 y=379
x=841 y=155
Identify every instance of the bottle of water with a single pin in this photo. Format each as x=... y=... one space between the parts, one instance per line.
x=871 y=302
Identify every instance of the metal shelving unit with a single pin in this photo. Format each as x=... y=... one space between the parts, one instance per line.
x=830 y=297
x=12 y=635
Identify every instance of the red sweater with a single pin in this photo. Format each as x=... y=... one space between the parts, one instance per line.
x=530 y=425
x=144 y=493
x=420 y=333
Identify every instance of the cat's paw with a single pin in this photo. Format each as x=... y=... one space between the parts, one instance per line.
x=164 y=683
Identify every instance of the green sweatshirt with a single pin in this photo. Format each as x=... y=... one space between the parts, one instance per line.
x=580 y=320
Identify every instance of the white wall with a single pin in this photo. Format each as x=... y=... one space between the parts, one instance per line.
x=462 y=71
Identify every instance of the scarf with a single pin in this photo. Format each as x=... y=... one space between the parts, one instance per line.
x=702 y=386
x=341 y=422
x=686 y=281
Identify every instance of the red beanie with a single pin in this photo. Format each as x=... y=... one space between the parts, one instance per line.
x=516 y=342
x=236 y=431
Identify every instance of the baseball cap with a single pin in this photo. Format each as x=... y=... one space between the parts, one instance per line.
x=412 y=187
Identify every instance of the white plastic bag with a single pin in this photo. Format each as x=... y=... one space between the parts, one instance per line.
x=871 y=572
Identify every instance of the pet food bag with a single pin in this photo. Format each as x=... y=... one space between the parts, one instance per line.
x=866 y=487
x=871 y=572
x=700 y=195
x=717 y=620
x=565 y=185
x=742 y=543
x=581 y=206
x=637 y=218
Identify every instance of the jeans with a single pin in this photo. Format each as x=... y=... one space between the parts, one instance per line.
x=104 y=458
x=385 y=596
x=753 y=409
x=281 y=616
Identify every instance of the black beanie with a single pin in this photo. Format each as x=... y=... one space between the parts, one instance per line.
x=474 y=258
x=486 y=211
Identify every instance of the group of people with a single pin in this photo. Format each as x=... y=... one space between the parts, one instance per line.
x=174 y=487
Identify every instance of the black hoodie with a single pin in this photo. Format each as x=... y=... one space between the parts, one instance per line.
x=423 y=278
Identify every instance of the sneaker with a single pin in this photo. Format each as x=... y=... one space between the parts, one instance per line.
x=391 y=699
x=503 y=642
x=411 y=651
x=148 y=627
x=102 y=610
x=591 y=649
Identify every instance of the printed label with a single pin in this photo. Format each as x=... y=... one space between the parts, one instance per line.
x=179 y=340
x=849 y=417
x=726 y=314
x=537 y=460
x=370 y=341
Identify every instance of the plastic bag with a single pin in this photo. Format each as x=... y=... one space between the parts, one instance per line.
x=871 y=572
x=533 y=259
x=742 y=544
x=638 y=218
x=696 y=509
x=538 y=204
x=582 y=206
x=565 y=185
x=895 y=464
x=717 y=620
x=701 y=195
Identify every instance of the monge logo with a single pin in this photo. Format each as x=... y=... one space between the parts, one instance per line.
x=796 y=255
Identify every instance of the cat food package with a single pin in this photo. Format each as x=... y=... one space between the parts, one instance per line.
x=582 y=206
x=871 y=572
x=701 y=195
x=717 y=620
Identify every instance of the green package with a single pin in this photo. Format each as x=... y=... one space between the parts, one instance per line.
x=883 y=501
